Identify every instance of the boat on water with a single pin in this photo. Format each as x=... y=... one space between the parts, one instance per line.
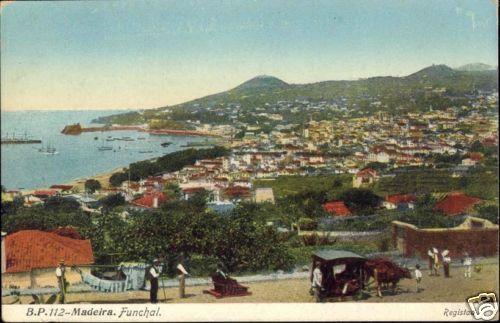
x=141 y=138
x=204 y=143
x=49 y=150
x=145 y=151
x=165 y=144
x=103 y=147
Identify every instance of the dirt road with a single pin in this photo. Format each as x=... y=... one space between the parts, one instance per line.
x=434 y=289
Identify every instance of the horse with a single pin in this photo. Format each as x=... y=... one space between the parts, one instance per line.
x=383 y=272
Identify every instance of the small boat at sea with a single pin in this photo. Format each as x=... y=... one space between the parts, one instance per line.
x=103 y=147
x=110 y=139
x=141 y=138
x=95 y=138
x=165 y=144
x=49 y=150
x=145 y=151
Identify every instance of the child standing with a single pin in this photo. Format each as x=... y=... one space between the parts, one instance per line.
x=418 y=277
x=467 y=261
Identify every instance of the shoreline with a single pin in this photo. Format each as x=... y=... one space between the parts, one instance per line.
x=79 y=183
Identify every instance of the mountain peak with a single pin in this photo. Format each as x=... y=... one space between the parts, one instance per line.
x=262 y=81
x=475 y=67
x=433 y=71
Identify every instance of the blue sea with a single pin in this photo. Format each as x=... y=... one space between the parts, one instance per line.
x=25 y=167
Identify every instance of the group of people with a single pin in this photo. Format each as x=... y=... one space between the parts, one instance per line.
x=435 y=259
x=152 y=274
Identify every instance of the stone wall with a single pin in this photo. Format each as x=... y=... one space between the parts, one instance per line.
x=414 y=242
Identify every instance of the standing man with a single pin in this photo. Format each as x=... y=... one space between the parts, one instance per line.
x=468 y=265
x=436 y=261
x=182 y=280
x=446 y=263
x=317 y=281
x=61 y=281
x=430 y=255
x=154 y=273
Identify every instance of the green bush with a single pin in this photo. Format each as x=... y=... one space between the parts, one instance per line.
x=307 y=224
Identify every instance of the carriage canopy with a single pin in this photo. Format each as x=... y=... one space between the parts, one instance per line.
x=337 y=256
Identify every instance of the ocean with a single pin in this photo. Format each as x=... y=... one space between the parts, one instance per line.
x=23 y=166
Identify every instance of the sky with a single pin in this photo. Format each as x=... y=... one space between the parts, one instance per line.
x=146 y=54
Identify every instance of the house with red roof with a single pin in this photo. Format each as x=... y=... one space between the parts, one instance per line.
x=365 y=177
x=62 y=188
x=236 y=193
x=43 y=194
x=399 y=201
x=32 y=256
x=337 y=208
x=150 y=200
x=456 y=203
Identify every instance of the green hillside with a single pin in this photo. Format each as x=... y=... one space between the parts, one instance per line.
x=409 y=93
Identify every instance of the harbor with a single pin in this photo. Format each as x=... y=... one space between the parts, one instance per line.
x=15 y=140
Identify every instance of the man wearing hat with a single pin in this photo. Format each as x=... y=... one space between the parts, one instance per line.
x=317 y=281
x=446 y=262
x=154 y=273
x=430 y=257
x=61 y=280
x=436 y=261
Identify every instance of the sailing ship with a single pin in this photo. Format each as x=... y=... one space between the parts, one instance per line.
x=19 y=140
x=48 y=150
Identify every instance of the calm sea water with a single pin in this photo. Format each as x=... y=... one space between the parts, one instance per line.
x=24 y=167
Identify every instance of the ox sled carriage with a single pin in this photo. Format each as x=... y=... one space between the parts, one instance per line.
x=346 y=274
x=225 y=286
x=342 y=272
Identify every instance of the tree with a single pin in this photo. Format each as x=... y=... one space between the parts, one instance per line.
x=59 y=204
x=172 y=191
x=46 y=219
x=92 y=185
x=360 y=200
x=112 y=201
x=377 y=166
x=488 y=212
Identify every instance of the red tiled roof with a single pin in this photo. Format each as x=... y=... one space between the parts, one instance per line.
x=192 y=190
x=367 y=172
x=45 y=192
x=337 y=208
x=237 y=191
x=147 y=200
x=476 y=156
x=401 y=198
x=62 y=187
x=30 y=249
x=456 y=203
